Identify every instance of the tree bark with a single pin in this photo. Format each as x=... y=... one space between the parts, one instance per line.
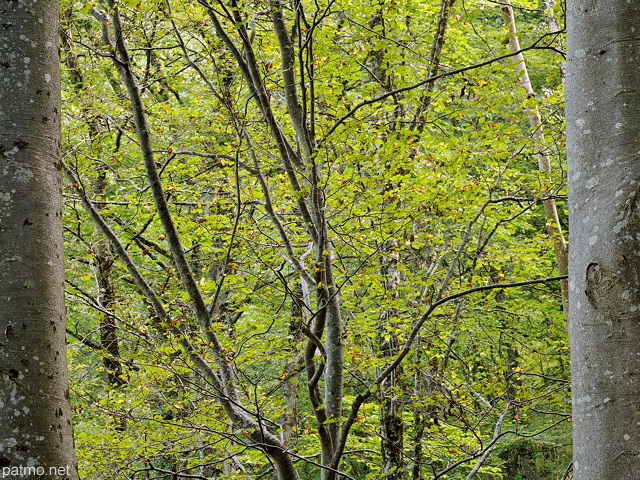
x=36 y=438
x=603 y=148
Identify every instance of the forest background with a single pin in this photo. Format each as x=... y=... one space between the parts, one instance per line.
x=316 y=239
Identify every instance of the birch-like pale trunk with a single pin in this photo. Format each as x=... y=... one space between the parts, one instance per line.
x=544 y=162
x=554 y=26
x=603 y=151
x=36 y=438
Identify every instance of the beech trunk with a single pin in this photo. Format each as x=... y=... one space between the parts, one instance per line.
x=35 y=417
x=603 y=150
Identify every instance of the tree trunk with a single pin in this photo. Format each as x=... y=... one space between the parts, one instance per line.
x=291 y=385
x=391 y=422
x=544 y=162
x=107 y=297
x=36 y=439
x=603 y=145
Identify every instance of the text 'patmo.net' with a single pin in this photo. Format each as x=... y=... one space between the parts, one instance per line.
x=23 y=472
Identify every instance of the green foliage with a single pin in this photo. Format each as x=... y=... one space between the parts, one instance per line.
x=447 y=196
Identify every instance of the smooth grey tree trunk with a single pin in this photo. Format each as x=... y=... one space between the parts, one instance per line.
x=35 y=417
x=603 y=149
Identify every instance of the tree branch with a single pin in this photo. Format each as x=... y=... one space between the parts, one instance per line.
x=384 y=96
x=361 y=398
